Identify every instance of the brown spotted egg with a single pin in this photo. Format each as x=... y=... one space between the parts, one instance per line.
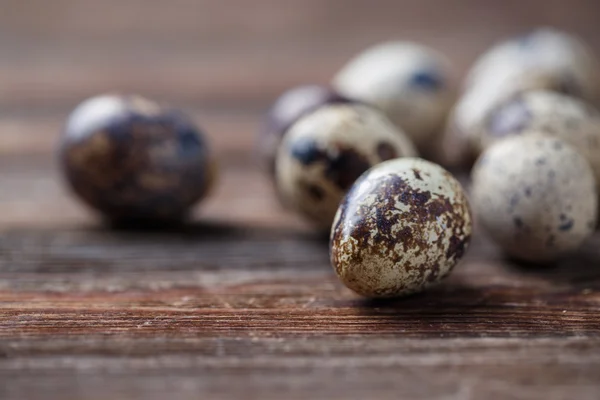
x=134 y=160
x=547 y=113
x=535 y=196
x=402 y=227
x=324 y=152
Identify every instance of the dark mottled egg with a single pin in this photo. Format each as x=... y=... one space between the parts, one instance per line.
x=402 y=227
x=408 y=82
x=550 y=114
x=286 y=110
x=133 y=160
x=324 y=152
x=535 y=196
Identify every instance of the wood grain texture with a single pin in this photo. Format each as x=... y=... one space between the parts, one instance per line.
x=231 y=308
x=242 y=302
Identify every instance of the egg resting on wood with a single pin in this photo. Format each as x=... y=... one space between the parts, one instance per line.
x=535 y=196
x=402 y=227
x=134 y=160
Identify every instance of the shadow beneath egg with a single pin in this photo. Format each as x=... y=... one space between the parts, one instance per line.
x=196 y=229
x=465 y=311
x=198 y=247
x=508 y=299
x=206 y=229
x=449 y=310
x=580 y=270
x=441 y=298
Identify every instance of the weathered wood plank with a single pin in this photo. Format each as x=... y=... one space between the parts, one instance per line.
x=258 y=368
x=267 y=282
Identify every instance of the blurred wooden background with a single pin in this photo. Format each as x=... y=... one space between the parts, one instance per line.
x=235 y=52
x=243 y=303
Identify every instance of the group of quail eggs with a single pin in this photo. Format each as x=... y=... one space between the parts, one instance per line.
x=346 y=158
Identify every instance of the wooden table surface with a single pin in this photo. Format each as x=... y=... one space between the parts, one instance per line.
x=242 y=303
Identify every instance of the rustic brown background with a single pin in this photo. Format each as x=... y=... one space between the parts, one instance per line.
x=243 y=304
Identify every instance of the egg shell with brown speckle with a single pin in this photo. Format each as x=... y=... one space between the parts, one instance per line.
x=535 y=196
x=402 y=227
x=324 y=152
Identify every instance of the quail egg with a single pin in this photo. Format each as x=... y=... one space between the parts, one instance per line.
x=288 y=108
x=324 y=152
x=402 y=227
x=408 y=82
x=543 y=59
x=547 y=113
x=563 y=57
x=132 y=159
x=467 y=117
x=535 y=196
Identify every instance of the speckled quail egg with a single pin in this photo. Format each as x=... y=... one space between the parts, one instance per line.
x=324 y=152
x=408 y=82
x=132 y=159
x=286 y=110
x=542 y=52
x=467 y=117
x=535 y=196
x=543 y=59
x=547 y=113
x=402 y=227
